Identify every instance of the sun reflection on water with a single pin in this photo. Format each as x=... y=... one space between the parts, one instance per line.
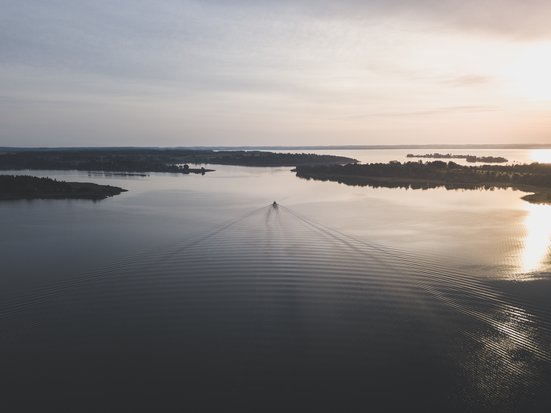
x=541 y=155
x=537 y=241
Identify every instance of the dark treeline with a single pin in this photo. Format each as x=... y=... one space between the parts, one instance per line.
x=260 y=158
x=32 y=187
x=154 y=160
x=468 y=158
x=416 y=175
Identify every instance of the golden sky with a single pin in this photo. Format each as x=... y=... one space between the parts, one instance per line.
x=264 y=72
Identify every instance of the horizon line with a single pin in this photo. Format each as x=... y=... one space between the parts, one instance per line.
x=290 y=147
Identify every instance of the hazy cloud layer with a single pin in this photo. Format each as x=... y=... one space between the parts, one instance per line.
x=512 y=18
x=172 y=72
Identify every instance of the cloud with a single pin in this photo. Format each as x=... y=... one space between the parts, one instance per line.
x=510 y=18
x=446 y=110
x=468 y=80
x=172 y=39
x=208 y=68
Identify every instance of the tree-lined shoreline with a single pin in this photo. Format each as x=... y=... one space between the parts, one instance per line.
x=155 y=160
x=533 y=177
x=468 y=158
x=14 y=187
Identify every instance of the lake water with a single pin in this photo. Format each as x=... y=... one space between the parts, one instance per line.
x=192 y=293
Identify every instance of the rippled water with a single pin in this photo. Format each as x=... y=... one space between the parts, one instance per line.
x=193 y=293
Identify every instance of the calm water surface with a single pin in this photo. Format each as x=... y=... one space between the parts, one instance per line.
x=192 y=293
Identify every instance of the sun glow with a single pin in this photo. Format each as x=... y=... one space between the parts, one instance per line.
x=530 y=74
x=537 y=242
x=541 y=155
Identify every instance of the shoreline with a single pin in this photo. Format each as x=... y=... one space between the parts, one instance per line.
x=449 y=179
x=156 y=160
x=26 y=187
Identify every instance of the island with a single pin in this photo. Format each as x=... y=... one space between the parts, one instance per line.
x=144 y=160
x=14 y=187
x=533 y=177
x=468 y=158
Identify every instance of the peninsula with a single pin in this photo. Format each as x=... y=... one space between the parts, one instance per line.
x=533 y=177
x=145 y=160
x=31 y=187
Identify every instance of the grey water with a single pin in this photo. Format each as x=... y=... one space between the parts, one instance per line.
x=193 y=293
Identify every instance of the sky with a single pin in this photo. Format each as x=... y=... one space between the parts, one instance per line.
x=274 y=72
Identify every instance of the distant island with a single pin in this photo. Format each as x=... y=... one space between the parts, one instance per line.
x=533 y=177
x=138 y=160
x=31 y=187
x=468 y=158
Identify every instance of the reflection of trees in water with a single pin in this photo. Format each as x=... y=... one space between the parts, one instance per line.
x=405 y=185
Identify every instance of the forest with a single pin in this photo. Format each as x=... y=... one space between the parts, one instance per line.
x=154 y=159
x=32 y=187
x=468 y=158
x=532 y=177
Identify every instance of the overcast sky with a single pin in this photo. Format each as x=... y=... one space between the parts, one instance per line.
x=274 y=72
